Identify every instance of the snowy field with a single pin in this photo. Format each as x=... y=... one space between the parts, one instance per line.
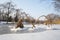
x=39 y=33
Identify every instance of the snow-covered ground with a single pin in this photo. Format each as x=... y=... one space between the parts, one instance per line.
x=39 y=33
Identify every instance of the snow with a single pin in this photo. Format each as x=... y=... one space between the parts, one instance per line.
x=47 y=35
x=39 y=33
x=3 y=22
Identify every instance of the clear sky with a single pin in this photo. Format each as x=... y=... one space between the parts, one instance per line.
x=35 y=8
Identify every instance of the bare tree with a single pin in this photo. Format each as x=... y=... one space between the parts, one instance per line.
x=49 y=20
x=24 y=16
x=8 y=7
x=57 y=5
x=17 y=15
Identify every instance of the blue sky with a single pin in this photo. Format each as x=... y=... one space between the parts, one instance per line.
x=35 y=8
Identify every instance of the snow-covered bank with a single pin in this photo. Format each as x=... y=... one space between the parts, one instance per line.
x=6 y=29
x=47 y=35
x=39 y=33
